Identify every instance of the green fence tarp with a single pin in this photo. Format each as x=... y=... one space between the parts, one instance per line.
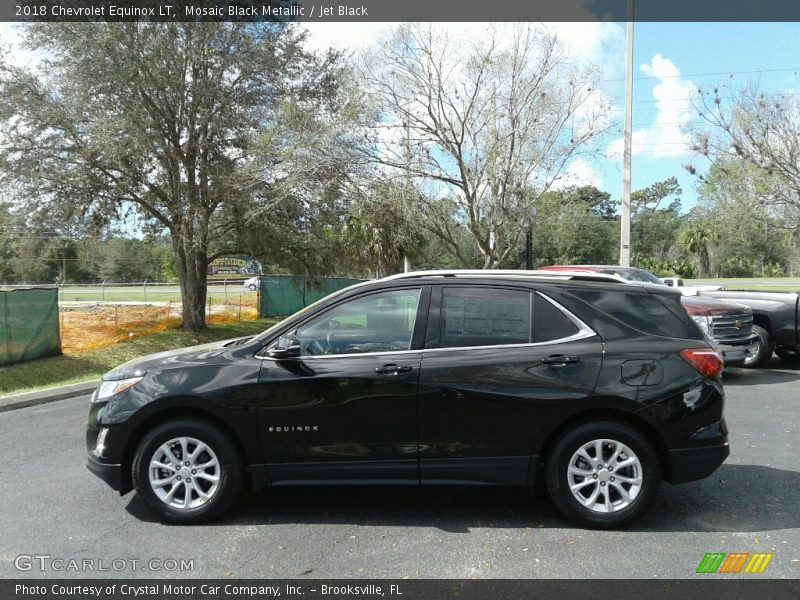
x=28 y=324
x=283 y=295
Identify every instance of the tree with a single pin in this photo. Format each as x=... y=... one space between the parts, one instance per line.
x=654 y=229
x=575 y=226
x=378 y=232
x=752 y=239
x=483 y=127
x=697 y=239
x=161 y=116
x=762 y=131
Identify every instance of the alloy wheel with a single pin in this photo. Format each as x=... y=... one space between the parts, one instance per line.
x=184 y=473
x=604 y=475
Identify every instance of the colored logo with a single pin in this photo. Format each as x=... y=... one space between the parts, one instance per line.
x=735 y=562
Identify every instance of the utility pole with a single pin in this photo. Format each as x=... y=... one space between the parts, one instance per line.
x=529 y=240
x=625 y=232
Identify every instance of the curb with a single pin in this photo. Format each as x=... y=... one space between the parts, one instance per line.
x=37 y=397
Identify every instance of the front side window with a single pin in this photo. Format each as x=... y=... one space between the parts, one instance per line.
x=381 y=322
x=484 y=317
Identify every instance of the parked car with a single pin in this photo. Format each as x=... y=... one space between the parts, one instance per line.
x=600 y=388
x=252 y=284
x=729 y=325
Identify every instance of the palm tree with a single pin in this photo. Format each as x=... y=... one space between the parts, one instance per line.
x=696 y=240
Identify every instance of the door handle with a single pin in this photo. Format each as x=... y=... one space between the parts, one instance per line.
x=393 y=369
x=559 y=360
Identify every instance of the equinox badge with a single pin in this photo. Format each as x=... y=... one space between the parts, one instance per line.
x=293 y=428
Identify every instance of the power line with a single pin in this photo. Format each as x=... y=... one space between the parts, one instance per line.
x=712 y=73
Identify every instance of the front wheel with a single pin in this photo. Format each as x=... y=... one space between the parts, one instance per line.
x=604 y=474
x=187 y=470
x=790 y=356
x=763 y=353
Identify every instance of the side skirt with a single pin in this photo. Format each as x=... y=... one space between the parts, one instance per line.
x=505 y=470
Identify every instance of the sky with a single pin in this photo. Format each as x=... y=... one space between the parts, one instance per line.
x=670 y=61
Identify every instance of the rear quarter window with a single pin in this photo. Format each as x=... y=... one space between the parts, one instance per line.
x=549 y=323
x=648 y=313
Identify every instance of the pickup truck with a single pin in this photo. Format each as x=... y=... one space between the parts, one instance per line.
x=677 y=282
x=776 y=322
x=776 y=318
x=728 y=325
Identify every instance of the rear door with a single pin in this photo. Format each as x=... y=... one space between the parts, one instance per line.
x=499 y=364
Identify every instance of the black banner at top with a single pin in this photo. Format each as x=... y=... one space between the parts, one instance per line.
x=398 y=10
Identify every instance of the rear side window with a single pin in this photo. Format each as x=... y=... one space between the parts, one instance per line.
x=484 y=317
x=549 y=323
x=643 y=311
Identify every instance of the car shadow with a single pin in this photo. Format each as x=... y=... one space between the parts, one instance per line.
x=734 y=498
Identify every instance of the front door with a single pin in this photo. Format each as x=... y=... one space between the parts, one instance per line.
x=346 y=409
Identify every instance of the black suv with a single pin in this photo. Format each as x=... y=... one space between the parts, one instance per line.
x=446 y=377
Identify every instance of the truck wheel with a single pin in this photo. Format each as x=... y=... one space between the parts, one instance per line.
x=762 y=356
x=603 y=474
x=791 y=356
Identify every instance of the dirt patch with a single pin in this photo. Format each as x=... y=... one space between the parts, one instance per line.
x=93 y=326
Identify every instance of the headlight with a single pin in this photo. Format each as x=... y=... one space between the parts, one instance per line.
x=704 y=323
x=112 y=388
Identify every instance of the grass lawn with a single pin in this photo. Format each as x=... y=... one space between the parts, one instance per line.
x=60 y=370
x=759 y=284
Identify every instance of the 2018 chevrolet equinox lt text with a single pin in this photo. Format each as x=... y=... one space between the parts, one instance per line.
x=598 y=387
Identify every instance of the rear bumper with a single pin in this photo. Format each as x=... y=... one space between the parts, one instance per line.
x=110 y=473
x=691 y=464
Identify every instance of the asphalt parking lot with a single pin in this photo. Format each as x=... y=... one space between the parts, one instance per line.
x=51 y=505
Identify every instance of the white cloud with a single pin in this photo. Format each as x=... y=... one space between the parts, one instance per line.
x=672 y=95
x=343 y=36
x=11 y=43
x=579 y=173
x=601 y=43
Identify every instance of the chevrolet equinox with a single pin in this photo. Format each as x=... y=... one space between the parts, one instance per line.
x=600 y=388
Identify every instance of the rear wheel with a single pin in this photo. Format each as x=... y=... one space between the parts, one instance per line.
x=763 y=354
x=603 y=474
x=187 y=470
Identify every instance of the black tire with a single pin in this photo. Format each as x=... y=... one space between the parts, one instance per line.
x=790 y=356
x=252 y=287
x=558 y=461
x=230 y=470
x=763 y=355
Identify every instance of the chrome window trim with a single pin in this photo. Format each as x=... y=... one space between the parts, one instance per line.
x=584 y=332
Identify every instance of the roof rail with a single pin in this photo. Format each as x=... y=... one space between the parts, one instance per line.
x=510 y=274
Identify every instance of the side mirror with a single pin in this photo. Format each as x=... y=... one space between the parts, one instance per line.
x=287 y=346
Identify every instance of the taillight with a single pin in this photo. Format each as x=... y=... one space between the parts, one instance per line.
x=706 y=362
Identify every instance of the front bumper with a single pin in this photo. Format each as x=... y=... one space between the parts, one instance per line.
x=734 y=354
x=110 y=473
